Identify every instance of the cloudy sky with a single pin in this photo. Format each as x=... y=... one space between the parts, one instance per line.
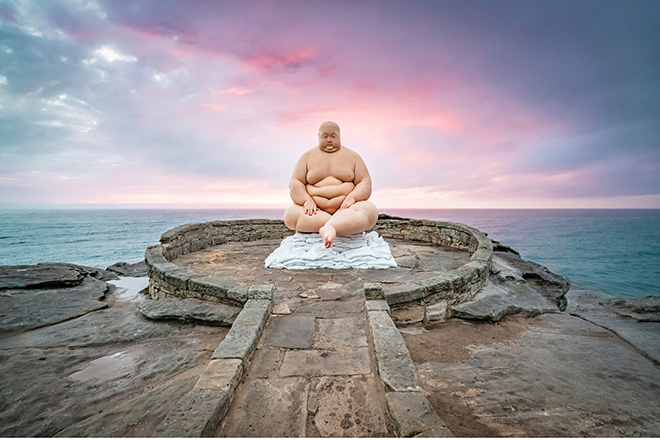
x=452 y=104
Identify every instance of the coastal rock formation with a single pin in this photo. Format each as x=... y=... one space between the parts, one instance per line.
x=124 y=269
x=515 y=287
x=47 y=275
x=633 y=320
x=77 y=361
x=645 y=309
x=61 y=291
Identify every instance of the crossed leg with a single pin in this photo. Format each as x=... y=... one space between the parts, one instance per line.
x=359 y=217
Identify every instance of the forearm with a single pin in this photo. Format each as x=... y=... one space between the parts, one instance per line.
x=362 y=190
x=298 y=192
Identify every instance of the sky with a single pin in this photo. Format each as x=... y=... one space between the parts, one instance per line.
x=452 y=104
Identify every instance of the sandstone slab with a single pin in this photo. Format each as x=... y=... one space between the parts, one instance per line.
x=197 y=414
x=338 y=333
x=331 y=309
x=26 y=309
x=555 y=376
x=414 y=415
x=345 y=407
x=290 y=331
x=47 y=275
x=189 y=310
x=630 y=319
x=326 y=363
x=276 y=407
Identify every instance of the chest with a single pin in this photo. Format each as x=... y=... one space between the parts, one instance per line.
x=320 y=168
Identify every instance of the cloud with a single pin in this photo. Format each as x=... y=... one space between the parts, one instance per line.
x=468 y=100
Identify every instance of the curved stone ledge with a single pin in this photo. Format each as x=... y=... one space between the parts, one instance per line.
x=168 y=280
x=430 y=300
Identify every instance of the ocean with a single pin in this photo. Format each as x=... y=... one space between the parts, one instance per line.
x=612 y=251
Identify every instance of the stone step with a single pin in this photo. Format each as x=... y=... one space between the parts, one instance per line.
x=188 y=309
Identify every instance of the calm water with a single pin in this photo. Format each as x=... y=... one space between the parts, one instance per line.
x=614 y=251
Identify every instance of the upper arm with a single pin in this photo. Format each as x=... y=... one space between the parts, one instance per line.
x=300 y=170
x=361 y=171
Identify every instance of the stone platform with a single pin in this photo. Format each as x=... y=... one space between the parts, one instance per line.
x=313 y=372
x=243 y=262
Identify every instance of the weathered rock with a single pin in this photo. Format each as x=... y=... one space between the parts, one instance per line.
x=515 y=287
x=190 y=310
x=124 y=269
x=285 y=419
x=132 y=417
x=110 y=326
x=25 y=309
x=642 y=309
x=49 y=275
x=108 y=373
x=552 y=286
x=605 y=310
x=494 y=302
x=436 y=313
x=499 y=247
x=554 y=375
x=345 y=407
x=414 y=415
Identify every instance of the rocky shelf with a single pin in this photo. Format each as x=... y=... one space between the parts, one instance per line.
x=429 y=348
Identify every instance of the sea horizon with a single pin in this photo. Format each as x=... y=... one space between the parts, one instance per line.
x=612 y=250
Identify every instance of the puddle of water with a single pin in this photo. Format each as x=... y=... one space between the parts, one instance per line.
x=106 y=368
x=128 y=288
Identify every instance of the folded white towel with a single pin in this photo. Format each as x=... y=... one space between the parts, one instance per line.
x=306 y=251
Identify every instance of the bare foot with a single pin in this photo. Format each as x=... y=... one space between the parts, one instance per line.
x=328 y=233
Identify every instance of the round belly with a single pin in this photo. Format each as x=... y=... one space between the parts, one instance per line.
x=330 y=197
x=330 y=191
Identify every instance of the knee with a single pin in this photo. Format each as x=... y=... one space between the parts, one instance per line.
x=290 y=219
x=371 y=212
x=372 y=216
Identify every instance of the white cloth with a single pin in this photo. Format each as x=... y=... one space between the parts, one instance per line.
x=306 y=251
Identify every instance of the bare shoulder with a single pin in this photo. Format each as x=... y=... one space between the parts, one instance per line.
x=306 y=157
x=352 y=155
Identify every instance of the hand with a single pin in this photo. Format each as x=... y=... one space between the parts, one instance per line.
x=310 y=207
x=348 y=202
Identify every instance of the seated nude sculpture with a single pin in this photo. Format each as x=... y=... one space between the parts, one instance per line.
x=329 y=187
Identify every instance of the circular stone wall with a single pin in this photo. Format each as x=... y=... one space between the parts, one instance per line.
x=433 y=297
x=429 y=299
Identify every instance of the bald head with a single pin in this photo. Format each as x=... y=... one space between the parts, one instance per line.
x=329 y=139
x=329 y=125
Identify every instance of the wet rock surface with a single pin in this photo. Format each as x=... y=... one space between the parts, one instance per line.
x=48 y=293
x=77 y=361
x=590 y=372
x=44 y=275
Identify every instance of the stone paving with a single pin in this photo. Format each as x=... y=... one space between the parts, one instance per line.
x=313 y=372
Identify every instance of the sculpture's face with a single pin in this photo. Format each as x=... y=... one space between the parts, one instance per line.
x=329 y=138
